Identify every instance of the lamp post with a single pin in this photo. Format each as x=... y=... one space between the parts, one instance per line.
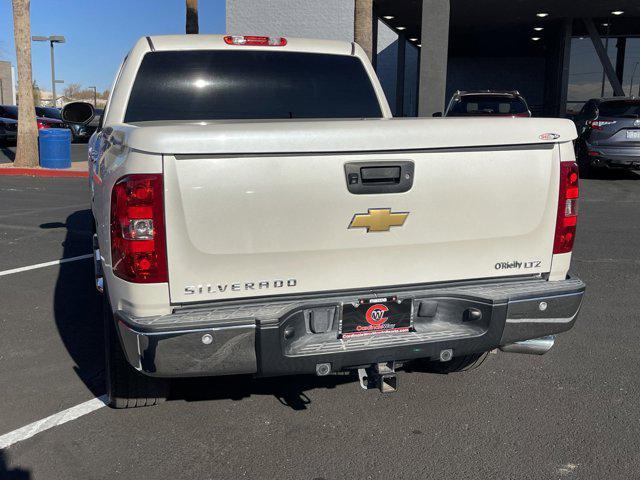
x=95 y=95
x=52 y=39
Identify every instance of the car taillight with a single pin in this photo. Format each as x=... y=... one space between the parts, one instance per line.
x=41 y=125
x=598 y=124
x=255 y=40
x=567 y=208
x=138 y=248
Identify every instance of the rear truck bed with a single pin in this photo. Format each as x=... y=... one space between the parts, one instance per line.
x=292 y=245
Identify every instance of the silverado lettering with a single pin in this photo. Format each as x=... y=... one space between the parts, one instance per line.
x=212 y=288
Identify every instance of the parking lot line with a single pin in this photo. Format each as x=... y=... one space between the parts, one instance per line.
x=51 y=421
x=46 y=264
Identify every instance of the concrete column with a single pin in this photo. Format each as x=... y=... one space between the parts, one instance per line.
x=433 y=57
x=363 y=25
x=402 y=44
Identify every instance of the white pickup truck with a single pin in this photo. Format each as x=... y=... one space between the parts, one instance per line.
x=259 y=211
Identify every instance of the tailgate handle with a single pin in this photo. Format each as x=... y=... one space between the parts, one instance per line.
x=379 y=177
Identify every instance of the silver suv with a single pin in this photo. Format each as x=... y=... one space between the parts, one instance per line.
x=609 y=134
x=479 y=103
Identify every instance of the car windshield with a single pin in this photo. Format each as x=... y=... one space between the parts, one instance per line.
x=48 y=112
x=223 y=84
x=620 y=108
x=487 y=105
x=10 y=111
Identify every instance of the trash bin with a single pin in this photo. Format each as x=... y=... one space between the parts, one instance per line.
x=55 y=147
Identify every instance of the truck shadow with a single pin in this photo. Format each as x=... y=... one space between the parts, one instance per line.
x=290 y=391
x=8 y=473
x=78 y=317
x=77 y=305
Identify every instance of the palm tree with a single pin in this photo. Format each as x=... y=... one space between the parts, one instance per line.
x=192 y=16
x=27 y=150
x=363 y=25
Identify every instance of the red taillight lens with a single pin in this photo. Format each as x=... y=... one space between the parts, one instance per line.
x=41 y=125
x=567 y=208
x=138 y=248
x=255 y=40
x=599 y=124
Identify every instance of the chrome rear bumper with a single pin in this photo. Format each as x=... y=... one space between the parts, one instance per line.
x=274 y=336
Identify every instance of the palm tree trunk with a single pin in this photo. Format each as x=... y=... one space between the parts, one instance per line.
x=363 y=26
x=192 y=16
x=27 y=150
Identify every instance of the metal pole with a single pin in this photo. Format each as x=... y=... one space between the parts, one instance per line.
x=53 y=76
x=606 y=48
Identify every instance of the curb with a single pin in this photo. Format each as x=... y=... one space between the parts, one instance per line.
x=43 y=172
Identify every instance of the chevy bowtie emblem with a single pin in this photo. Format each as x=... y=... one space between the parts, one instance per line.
x=378 y=220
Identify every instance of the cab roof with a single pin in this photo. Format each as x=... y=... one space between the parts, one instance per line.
x=216 y=42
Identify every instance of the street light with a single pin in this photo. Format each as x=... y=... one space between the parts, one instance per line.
x=95 y=94
x=52 y=39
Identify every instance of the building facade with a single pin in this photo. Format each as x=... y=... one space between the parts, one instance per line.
x=7 y=84
x=557 y=53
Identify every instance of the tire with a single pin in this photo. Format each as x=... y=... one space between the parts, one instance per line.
x=463 y=363
x=126 y=387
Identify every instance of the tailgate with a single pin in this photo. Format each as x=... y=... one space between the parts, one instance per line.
x=266 y=224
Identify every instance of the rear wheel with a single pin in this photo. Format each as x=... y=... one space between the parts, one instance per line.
x=462 y=363
x=126 y=387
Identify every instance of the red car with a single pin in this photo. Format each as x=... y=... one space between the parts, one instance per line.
x=11 y=111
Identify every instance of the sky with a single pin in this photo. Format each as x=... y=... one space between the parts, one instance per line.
x=585 y=70
x=99 y=34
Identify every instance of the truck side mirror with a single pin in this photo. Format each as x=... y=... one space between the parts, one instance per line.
x=78 y=112
x=437 y=114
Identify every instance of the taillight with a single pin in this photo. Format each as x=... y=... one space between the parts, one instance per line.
x=598 y=124
x=567 y=208
x=41 y=125
x=138 y=248
x=255 y=40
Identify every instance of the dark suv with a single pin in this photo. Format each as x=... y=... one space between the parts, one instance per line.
x=487 y=103
x=609 y=134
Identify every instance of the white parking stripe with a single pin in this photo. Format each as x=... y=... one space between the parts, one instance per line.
x=54 y=420
x=46 y=264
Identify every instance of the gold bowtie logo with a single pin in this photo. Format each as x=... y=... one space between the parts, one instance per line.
x=378 y=220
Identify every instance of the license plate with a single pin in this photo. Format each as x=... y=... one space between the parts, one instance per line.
x=375 y=316
x=633 y=134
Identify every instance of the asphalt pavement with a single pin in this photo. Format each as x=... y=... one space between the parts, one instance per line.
x=573 y=413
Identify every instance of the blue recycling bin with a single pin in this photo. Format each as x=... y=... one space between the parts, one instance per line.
x=55 y=147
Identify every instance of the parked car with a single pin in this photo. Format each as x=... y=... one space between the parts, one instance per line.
x=79 y=133
x=283 y=222
x=609 y=134
x=487 y=103
x=11 y=111
x=8 y=131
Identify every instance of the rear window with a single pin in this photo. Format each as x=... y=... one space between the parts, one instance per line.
x=488 y=105
x=222 y=84
x=48 y=112
x=620 y=108
x=9 y=112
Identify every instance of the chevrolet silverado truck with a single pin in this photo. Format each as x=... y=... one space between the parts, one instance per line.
x=259 y=211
